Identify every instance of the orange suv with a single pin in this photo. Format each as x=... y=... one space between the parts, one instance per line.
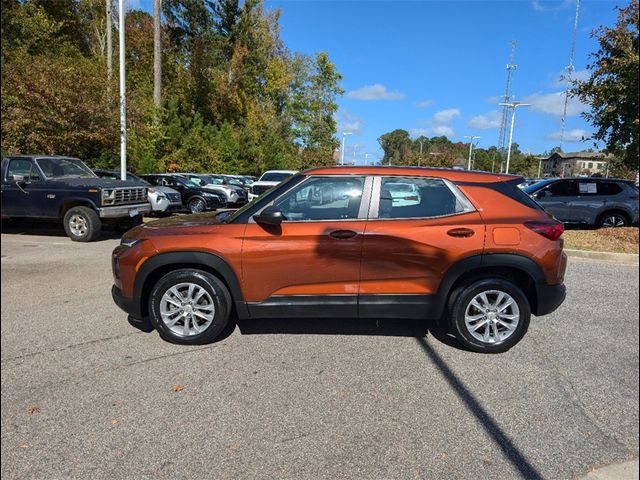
x=370 y=242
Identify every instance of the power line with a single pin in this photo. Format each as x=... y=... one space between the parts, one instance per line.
x=570 y=70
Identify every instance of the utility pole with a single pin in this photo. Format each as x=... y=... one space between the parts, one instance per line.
x=123 y=95
x=471 y=139
x=570 y=69
x=513 y=106
x=506 y=98
x=109 y=42
x=344 y=137
x=366 y=156
x=420 y=157
x=157 y=55
x=539 y=167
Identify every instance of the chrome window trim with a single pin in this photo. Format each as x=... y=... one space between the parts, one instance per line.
x=377 y=188
x=365 y=199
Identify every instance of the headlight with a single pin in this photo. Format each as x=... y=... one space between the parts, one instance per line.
x=108 y=197
x=161 y=196
x=207 y=194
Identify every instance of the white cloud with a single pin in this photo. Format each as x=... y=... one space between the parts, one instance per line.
x=549 y=6
x=374 y=92
x=575 y=135
x=419 y=132
x=446 y=116
x=560 y=78
x=486 y=121
x=424 y=103
x=349 y=123
x=553 y=104
x=443 y=131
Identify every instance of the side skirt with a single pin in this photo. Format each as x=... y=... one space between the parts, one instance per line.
x=348 y=306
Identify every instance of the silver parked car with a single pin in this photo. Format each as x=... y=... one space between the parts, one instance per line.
x=601 y=202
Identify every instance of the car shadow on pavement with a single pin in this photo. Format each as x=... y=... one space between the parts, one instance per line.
x=509 y=449
x=47 y=229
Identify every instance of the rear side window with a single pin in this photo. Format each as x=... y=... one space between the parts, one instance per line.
x=408 y=197
x=609 y=188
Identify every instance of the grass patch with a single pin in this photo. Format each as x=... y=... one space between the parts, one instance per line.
x=618 y=240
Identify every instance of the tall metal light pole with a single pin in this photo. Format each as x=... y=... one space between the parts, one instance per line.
x=513 y=106
x=366 y=156
x=420 y=158
x=471 y=139
x=344 y=137
x=123 y=96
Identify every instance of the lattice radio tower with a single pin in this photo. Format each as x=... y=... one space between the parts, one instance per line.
x=570 y=71
x=507 y=98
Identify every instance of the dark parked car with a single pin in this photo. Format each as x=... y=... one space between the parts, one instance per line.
x=194 y=198
x=64 y=188
x=602 y=202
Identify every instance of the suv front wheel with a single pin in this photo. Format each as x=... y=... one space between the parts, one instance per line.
x=490 y=315
x=189 y=307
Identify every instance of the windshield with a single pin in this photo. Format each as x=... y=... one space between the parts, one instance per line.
x=274 y=176
x=64 y=167
x=247 y=206
x=530 y=189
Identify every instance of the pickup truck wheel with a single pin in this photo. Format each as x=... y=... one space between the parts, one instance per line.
x=490 y=315
x=82 y=224
x=189 y=307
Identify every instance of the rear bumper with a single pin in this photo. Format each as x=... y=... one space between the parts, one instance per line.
x=129 y=305
x=549 y=298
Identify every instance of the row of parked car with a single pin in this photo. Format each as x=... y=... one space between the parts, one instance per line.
x=64 y=188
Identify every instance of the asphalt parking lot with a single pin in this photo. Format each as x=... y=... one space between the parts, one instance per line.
x=86 y=395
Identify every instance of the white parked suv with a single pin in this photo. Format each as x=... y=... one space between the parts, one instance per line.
x=233 y=191
x=268 y=180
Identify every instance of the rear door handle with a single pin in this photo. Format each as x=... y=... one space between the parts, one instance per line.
x=343 y=234
x=461 y=232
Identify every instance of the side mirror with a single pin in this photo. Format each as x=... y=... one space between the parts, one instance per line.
x=540 y=195
x=19 y=178
x=269 y=216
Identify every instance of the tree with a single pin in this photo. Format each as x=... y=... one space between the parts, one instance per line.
x=612 y=89
x=397 y=147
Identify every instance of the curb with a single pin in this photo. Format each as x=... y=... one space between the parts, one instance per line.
x=617 y=471
x=609 y=257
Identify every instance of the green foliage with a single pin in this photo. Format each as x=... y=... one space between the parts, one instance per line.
x=612 y=89
x=235 y=100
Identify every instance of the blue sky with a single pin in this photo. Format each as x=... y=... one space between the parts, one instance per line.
x=438 y=67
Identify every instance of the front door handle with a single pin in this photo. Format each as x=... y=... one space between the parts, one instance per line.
x=343 y=234
x=461 y=232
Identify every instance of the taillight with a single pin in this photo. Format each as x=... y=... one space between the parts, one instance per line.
x=412 y=198
x=552 y=230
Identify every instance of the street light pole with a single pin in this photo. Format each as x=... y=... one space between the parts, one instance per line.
x=471 y=139
x=420 y=158
x=366 y=156
x=513 y=106
x=344 y=137
x=123 y=95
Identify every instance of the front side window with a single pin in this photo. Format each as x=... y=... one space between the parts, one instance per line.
x=322 y=198
x=406 y=197
x=21 y=167
x=562 y=189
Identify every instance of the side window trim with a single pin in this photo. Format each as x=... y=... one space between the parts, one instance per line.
x=377 y=188
x=365 y=201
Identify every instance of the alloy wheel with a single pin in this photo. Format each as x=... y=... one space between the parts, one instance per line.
x=613 y=221
x=492 y=316
x=78 y=225
x=187 y=309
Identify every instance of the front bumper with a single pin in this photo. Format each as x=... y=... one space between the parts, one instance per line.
x=124 y=210
x=129 y=305
x=549 y=298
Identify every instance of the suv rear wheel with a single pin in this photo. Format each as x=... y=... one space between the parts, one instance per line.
x=82 y=224
x=613 y=219
x=490 y=315
x=189 y=306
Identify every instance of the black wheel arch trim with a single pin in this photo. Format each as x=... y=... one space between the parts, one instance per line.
x=181 y=258
x=509 y=260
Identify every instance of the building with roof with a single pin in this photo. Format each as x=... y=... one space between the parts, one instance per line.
x=573 y=164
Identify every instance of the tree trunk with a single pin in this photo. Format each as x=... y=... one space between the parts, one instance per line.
x=157 y=55
x=109 y=41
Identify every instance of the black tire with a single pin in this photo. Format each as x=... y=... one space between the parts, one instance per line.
x=613 y=219
x=461 y=300
x=127 y=224
x=197 y=205
x=82 y=224
x=218 y=294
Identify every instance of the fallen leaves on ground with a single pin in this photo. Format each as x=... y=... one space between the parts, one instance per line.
x=618 y=240
x=33 y=409
x=178 y=388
